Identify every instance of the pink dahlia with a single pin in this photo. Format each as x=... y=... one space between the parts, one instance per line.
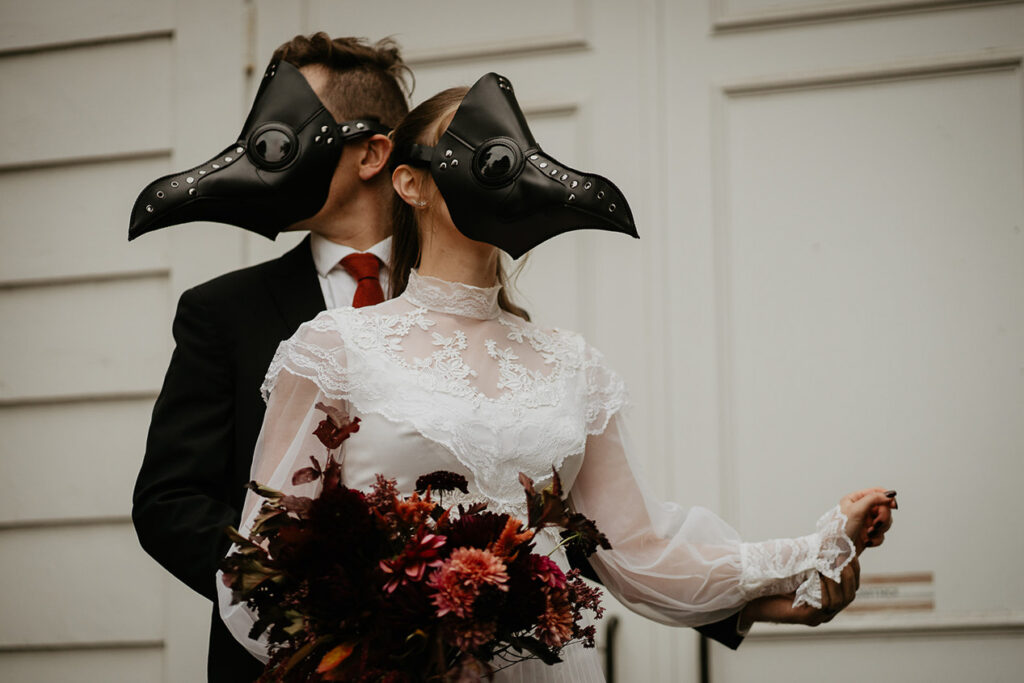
x=458 y=581
x=418 y=555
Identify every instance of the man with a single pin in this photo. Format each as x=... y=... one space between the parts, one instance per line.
x=208 y=415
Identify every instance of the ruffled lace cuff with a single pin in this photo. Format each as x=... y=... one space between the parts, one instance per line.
x=835 y=552
x=783 y=566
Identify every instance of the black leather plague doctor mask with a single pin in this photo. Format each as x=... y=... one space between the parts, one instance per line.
x=278 y=172
x=499 y=185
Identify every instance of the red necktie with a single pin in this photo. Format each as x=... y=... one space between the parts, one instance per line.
x=364 y=269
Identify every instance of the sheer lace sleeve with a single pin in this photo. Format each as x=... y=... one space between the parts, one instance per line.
x=286 y=441
x=686 y=566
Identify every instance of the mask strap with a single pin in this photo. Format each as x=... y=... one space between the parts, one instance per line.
x=419 y=156
x=359 y=128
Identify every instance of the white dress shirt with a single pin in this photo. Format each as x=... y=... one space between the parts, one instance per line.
x=337 y=285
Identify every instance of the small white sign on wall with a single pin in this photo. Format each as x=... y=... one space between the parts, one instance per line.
x=892 y=592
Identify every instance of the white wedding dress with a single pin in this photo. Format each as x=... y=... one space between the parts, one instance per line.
x=442 y=379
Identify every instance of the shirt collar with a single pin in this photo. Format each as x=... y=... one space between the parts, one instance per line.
x=327 y=254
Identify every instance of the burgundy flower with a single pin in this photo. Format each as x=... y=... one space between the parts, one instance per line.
x=547 y=572
x=441 y=481
x=333 y=430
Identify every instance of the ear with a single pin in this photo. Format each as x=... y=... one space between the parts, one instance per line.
x=408 y=184
x=375 y=153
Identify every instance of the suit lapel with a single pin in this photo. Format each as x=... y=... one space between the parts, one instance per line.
x=295 y=287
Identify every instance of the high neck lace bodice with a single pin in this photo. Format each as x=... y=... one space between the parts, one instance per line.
x=455 y=298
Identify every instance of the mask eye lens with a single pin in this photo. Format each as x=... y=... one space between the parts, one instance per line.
x=497 y=162
x=272 y=146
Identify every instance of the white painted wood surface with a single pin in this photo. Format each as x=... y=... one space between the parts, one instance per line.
x=828 y=292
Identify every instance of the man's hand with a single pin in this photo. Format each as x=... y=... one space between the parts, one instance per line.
x=779 y=608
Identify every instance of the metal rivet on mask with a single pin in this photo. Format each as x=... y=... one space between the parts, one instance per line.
x=600 y=195
x=190 y=180
x=202 y=173
x=572 y=197
x=564 y=176
x=360 y=125
x=330 y=140
x=543 y=164
x=442 y=166
x=191 y=192
x=216 y=166
x=455 y=162
x=533 y=157
x=316 y=139
x=238 y=150
x=554 y=171
x=611 y=208
x=586 y=185
x=323 y=129
x=227 y=159
x=160 y=194
x=149 y=208
x=447 y=152
x=174 y=183
x=574 y=183
x=345 y=129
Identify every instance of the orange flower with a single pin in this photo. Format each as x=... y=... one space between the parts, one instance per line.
x=414 y=510
x=507 y=545
x=554 y=627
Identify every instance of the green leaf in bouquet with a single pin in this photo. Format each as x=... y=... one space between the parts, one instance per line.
x=246 y=545
x=297 y=625
x=263 y=491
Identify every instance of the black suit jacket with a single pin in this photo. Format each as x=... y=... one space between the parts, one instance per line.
x=205 y=424
x=206 y=421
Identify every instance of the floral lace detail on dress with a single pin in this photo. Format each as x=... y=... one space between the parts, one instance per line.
x=783 y=566
x=500 y=393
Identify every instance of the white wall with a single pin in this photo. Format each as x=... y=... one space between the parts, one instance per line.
x=829 y=292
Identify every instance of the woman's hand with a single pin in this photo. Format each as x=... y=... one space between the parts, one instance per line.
x=869 y=516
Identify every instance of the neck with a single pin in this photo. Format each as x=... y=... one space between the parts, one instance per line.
x=359 y=223
x=448 y=255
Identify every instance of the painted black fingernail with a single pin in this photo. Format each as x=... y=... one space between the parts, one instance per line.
x=890 y=494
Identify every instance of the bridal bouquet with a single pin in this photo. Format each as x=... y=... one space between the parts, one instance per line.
x=385 y=587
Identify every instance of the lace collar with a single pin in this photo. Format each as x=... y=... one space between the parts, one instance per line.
x=455 y=298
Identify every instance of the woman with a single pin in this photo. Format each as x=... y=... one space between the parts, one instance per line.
x=450 y=375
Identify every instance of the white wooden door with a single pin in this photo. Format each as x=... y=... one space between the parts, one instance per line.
x=846 y=277
x=97 y=99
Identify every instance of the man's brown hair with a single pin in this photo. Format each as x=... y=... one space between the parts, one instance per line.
x=367 y=80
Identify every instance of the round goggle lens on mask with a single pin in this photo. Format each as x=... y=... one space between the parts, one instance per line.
x=273 y=146
x=497 y=162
